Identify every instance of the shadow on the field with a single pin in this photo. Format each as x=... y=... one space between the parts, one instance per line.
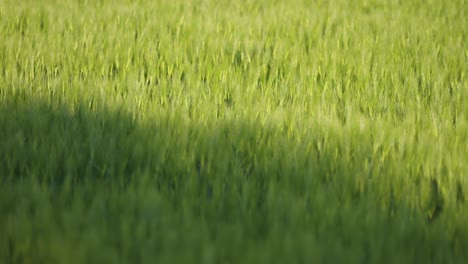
x=262 y=182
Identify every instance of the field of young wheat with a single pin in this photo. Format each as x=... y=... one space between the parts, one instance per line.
x=245 y=131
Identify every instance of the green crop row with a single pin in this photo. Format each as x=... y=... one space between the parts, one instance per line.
x=247 y=131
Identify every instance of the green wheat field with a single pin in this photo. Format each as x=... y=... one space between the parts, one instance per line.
x=243 y=131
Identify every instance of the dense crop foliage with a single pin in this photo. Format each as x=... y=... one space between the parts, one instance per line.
x=246 y=131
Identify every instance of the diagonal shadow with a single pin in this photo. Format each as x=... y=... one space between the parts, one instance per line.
x=91 y=183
